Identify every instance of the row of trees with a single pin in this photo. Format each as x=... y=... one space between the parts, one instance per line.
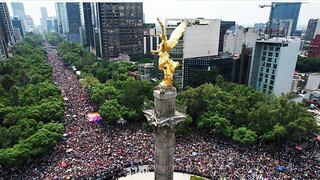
x=30 y=104
x=116 y=94
x=54 y=38
x=238 y=112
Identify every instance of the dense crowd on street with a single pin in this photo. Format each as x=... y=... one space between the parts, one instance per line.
x=93 y=150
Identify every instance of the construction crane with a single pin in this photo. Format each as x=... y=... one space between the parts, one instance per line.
x=273 y=5
x=265 y=5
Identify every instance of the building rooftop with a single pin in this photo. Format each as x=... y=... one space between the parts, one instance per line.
x=279 y=40
x=173 y=22
x=146 y=65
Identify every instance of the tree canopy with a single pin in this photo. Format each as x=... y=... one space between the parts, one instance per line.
x=54 y=38
x=308 y=64
x=30 y=104
x=237 y=111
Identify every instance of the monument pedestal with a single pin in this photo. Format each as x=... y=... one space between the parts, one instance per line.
x=163 y=119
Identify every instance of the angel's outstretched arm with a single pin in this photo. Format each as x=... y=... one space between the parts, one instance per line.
x=163 y=31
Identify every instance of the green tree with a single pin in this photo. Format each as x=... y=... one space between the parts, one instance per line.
x=308 y=64
x=89 y=81
x=39 y=143
x=29 y=102
x=218 y=126
x=184 y=128
x=111 y=111
x=244 y=136
x=54 y=38
x=133 y=94
x=102 y=92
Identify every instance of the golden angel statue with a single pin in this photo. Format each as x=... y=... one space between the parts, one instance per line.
x=166 y=64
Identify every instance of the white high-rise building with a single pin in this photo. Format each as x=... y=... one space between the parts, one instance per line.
x=273 y=64
x=233 y=40
x=43 y=19
x=201 y=38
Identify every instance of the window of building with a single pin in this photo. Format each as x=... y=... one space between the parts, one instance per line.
x=271 y=82
x=269 y=59
x=270 y=48
x=264 y=53
x=273 y=77
x=275 y=66
x=277 y=54
x=265 y=47
x=270 y=54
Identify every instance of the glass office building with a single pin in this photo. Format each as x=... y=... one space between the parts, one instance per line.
x=284 y=11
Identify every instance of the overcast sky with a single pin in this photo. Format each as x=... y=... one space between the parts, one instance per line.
x=244 y=12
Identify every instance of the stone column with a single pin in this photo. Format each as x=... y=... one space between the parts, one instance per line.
x=163 y=119
x=164 y=144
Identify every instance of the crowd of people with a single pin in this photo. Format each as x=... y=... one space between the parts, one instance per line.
x=98 y=151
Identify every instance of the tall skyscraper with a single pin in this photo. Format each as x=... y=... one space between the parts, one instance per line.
x=44 y=12
x=3 y=51
x=17 y=35
x=3 y=47
x=50 y=24
x=44 y=17
x=6 y=24
x=224 y=26
x=61 y=12
x=284 y=11
x=18 y=9
x=55 y=25
x=121 y=29
x=273 y=64
x=18 y=23
x=313 y=29
x=29 y=24
x=74 y=21
x=87 y=13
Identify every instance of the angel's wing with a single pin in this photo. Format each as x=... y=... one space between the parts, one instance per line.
x=176 y=34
